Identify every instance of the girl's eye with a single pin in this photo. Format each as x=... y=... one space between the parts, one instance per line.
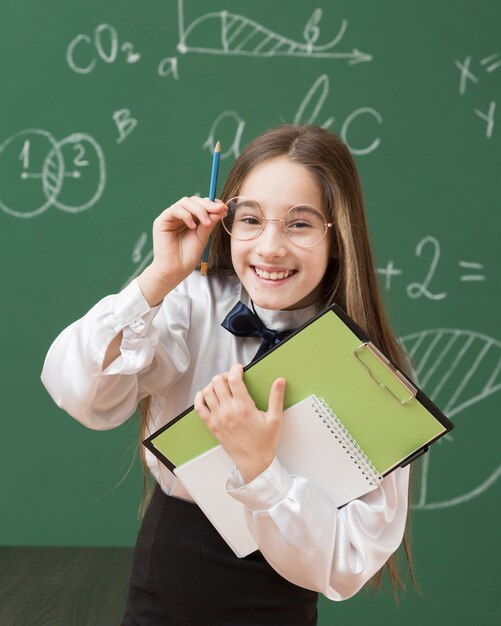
x=298 y=224
x=249 y=219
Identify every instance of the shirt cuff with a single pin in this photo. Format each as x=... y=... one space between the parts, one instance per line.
x=265 y=491
x=134 y=316
x=132 y=309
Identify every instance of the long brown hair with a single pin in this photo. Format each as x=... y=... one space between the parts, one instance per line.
x=350 y=279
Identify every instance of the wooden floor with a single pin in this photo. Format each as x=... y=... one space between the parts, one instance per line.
x=63 y=586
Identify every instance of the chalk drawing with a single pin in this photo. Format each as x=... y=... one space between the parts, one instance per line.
x=239 y=35
x=83 y=145
x=52 y=173
x=457 y=369
x=34 y=141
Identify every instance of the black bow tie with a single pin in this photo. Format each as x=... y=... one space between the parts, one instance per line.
x=243 y=322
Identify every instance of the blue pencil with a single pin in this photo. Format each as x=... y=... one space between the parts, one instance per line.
x=204 y=266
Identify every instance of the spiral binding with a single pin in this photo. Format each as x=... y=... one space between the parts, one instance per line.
x=344 y=438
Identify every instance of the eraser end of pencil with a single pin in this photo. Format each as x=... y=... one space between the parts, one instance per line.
x=204 y=268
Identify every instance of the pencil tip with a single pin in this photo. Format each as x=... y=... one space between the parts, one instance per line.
x=218 y=147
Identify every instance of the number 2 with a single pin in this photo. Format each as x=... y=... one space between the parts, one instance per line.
x=416 y=290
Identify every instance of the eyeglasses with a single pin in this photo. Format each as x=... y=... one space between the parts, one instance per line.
x=304 y=225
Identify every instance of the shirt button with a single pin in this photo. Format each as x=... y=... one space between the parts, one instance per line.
x=137 y=325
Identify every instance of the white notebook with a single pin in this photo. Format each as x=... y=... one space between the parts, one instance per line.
x=313 y=444
x=204 y=477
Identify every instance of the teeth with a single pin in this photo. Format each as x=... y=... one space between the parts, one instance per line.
x=273 y=275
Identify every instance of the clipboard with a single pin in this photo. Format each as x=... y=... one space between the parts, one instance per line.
x=331 y=357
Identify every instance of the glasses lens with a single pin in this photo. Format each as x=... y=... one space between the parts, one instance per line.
x=244 y=219
x=305 y=226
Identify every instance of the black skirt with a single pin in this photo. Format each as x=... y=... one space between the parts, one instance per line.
x=184 y=574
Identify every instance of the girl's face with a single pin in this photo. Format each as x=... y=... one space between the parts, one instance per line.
x=277 y=185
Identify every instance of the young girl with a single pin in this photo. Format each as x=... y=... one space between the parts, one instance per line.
x=289 y=237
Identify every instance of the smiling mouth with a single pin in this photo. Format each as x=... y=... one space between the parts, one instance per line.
x=279 y=275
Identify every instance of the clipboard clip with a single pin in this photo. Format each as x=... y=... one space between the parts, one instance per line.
x=393 y=370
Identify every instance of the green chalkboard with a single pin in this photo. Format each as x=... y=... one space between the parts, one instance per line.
x=109 y=112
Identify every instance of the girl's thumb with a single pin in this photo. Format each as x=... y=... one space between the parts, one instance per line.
x=276 y=399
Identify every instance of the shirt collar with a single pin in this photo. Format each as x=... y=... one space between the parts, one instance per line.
x=279 y=320
x=286 y=320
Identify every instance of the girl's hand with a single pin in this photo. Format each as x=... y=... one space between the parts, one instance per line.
x=248 y=435
x=180 y=234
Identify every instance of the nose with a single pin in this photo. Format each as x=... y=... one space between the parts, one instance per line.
x=272 y=241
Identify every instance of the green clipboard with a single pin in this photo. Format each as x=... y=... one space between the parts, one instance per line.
x=330 y=356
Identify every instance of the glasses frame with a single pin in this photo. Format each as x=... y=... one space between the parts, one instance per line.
x=278 y=221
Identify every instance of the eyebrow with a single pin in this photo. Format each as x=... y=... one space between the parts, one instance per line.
x=286 y=206
x=246 y=202
x=307 y=208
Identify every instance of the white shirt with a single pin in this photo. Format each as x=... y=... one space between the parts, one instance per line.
x=172 y=351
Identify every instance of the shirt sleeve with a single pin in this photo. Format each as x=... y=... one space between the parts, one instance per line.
x=153 y=355
x=310 y=542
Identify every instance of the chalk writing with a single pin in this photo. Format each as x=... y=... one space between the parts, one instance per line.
x=140 y=259
x=417 y=290
x=81 y=51
x=466 y=75
x=473 y=266
x=319 y=91
x=487 y=117
x=137 y=252
x=168 y=67
x=315 y=99
x=388 y=272
x=235 y=125
x=230 y=122
x=23 y=157
x=125 y=123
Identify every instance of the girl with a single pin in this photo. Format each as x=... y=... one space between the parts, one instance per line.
x=288 y=238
